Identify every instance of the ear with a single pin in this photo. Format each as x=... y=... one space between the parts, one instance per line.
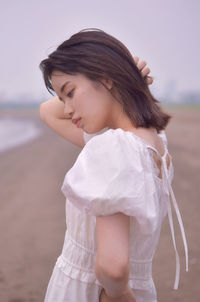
x=108 y=83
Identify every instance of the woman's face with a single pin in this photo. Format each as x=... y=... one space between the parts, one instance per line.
x=86 y=99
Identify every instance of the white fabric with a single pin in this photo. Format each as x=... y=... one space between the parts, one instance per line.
x=114 y=172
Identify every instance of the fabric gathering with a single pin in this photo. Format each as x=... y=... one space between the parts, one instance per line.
x=114 y=172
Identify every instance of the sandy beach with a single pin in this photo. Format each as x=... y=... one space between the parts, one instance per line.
x=32 y=216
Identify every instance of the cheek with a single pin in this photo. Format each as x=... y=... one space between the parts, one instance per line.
x=90 y=102
x=86 y=100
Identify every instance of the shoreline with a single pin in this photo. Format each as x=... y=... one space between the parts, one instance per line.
x=32 y=216
x=15 y=131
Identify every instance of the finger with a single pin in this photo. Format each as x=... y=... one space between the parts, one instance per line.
x=145 y=71
x=141 y=65
x=149 y=80
x=136 y=59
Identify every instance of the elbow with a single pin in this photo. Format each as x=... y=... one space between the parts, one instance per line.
x=113 y=271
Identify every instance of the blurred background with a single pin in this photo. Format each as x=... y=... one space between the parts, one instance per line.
x=34 y=159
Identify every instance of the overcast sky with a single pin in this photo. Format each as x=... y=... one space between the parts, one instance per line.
x=163 y=33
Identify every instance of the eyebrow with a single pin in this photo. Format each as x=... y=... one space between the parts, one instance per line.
x=62 y=88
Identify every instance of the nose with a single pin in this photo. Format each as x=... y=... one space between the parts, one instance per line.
x=68 y=111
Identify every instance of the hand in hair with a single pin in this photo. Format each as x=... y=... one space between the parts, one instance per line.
x=144 y=70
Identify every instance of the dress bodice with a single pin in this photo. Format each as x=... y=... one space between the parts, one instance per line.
x=88 y=195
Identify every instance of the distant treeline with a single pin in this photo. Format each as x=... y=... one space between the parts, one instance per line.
x=15 y=105
x=9 y=105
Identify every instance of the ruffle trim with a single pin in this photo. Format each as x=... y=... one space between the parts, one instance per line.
x=90 y=277
x=74 y=272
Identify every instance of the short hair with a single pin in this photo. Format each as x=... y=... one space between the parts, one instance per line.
x=98 y=55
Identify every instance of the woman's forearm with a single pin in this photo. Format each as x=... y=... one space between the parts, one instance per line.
x=53 y=107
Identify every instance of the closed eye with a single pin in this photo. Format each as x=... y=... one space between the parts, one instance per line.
x=70 y=94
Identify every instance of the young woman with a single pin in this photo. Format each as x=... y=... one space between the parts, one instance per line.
x=119 y=189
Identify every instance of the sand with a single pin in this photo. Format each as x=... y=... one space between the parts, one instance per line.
x=32 y=216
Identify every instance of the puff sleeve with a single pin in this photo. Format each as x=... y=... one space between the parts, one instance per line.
x=108 y=177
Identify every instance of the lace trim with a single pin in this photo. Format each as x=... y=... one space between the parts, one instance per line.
x=74 y=271
x=142 y=281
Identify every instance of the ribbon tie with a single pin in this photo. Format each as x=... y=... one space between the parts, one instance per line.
x=170 y=193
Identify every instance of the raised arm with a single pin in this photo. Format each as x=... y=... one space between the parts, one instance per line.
x=52 y=114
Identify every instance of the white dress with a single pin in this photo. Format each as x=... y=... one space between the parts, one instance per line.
x=114 y=172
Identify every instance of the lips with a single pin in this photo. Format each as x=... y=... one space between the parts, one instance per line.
x=75 y=121
x=78 y=123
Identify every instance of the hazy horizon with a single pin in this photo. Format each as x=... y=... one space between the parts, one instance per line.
x=165 y=34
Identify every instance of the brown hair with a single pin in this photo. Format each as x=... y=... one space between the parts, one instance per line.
x=98 y=55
